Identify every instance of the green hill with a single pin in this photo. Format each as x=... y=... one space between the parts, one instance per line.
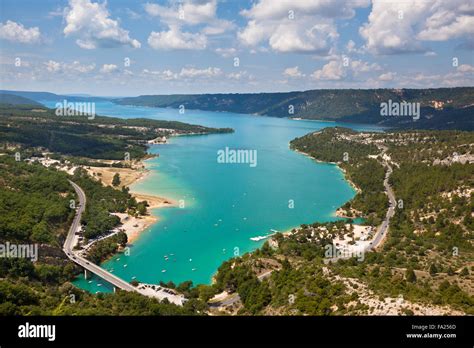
x=16 y=100
x=441 y=108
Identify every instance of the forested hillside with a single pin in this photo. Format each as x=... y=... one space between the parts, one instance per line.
x=346 y=105
x=99 y=137
x=425 y=265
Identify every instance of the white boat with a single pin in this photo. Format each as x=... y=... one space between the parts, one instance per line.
x=163 y=271
x=256 y=239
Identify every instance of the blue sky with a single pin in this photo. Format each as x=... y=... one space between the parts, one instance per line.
x=125 y=48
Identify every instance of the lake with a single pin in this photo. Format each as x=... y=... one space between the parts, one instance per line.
x=223 y=205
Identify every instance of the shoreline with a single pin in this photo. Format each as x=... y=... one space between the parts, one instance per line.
x=132 y=226
x=354 y=186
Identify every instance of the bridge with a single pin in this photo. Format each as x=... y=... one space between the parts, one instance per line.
x=91 y=268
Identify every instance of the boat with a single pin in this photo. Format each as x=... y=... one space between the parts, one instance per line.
x=258 y=238
x=193 y=269
x=163 y=271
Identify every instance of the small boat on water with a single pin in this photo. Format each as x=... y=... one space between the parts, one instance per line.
x=190 y=260
x=193 y=269
x=125 y=265
x=90 y=281
x=134 y=277
x=258 y=238
x=99 y=284
x=163 y=271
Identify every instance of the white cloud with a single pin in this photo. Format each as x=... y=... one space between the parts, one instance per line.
x=193 y=73
x=400 y=27
x=238 y=76
x=108 y=68
x=53 y=66
x=187 y=14
x=302 y=26
x=174 y=39
x=270 y=9
x=74 y=67
x=465 y=68
x=331 y=71
x=91 y=23
x=292 y=37
x=359 y=66
x=389 y=76
x=187 y=73
x=344 y=69
x=16 y=32
x=226 y=52
x=162 y=75
x=293 y=72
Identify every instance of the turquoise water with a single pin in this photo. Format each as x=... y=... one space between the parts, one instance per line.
x=224 y=204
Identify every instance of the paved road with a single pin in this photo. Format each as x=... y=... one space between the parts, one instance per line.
x=383 y=228
x=381 y=232
x=75 y=257
x=144 y=289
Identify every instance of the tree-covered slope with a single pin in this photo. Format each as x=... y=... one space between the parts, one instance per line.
x=347 y=105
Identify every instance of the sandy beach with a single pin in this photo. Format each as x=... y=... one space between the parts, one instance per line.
x=133 y=226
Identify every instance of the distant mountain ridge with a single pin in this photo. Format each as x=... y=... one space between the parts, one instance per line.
x=441 y=108
x=16 y=100
x=47 y=96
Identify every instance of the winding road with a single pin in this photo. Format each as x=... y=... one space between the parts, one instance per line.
x=76 y=258
x=382 y=229
x=99 y=271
